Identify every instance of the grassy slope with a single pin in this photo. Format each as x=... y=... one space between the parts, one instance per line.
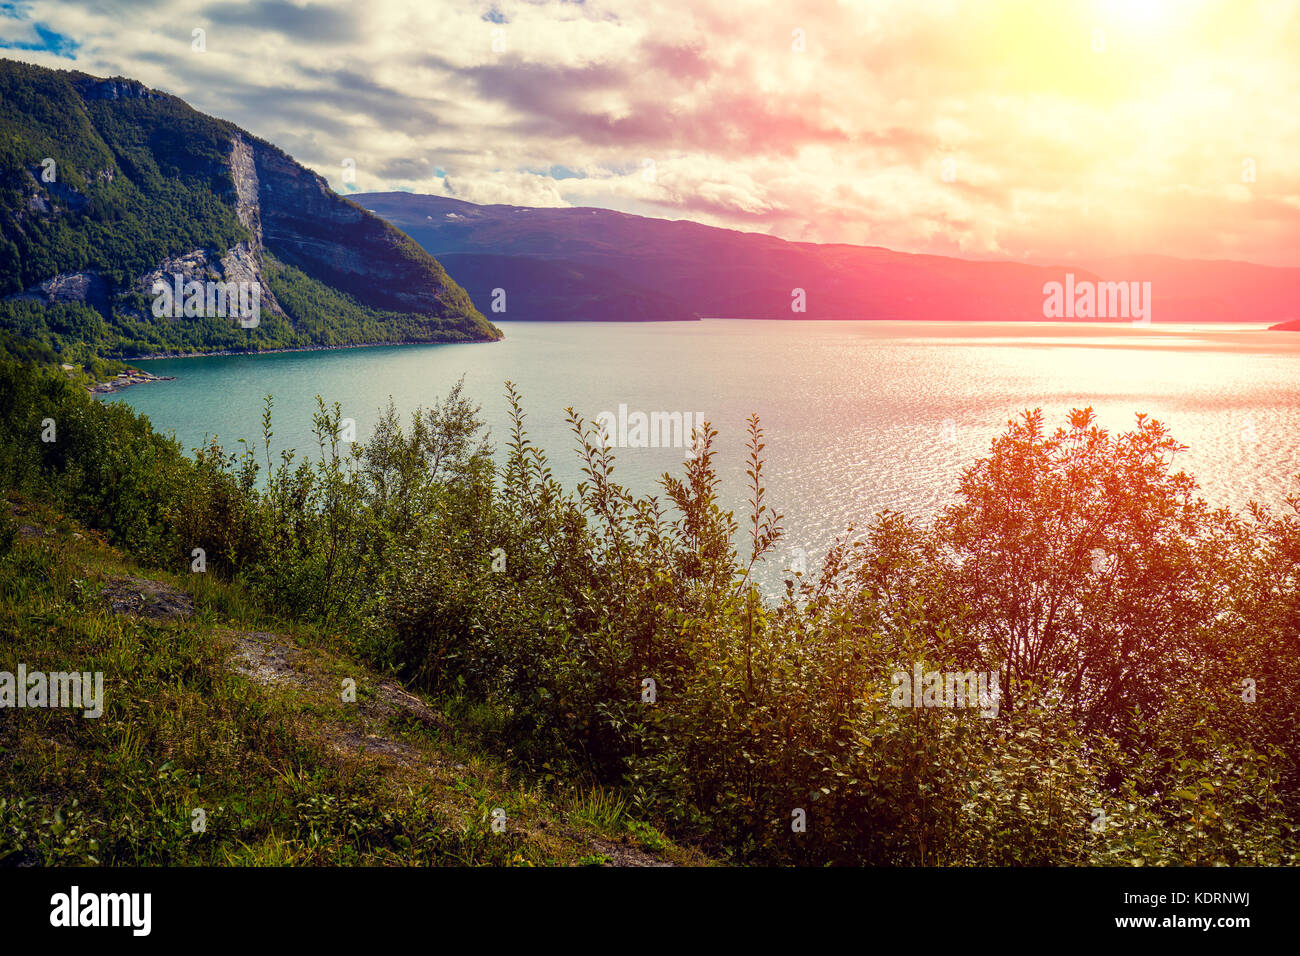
x=211 y=705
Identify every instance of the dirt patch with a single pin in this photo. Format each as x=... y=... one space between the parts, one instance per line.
x=270 y=659
x=390 y=701
x=18 y=512
x=353 y=742
x=621 y=854
x=144 y=598
x=264 y=658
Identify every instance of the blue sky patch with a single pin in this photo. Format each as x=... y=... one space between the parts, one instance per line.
x=557 y=171
x=47 y=40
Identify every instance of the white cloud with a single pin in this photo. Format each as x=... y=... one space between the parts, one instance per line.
x=840 y=142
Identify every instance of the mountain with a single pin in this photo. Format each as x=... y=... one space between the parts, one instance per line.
x=727 y=273
x=558 y=291
x=107 y=186
x=1210 y=290
x=490 y=248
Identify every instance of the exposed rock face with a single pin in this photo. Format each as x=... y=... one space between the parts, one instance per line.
x=161 y=177
x=88 y=287
x=113 y=88
x=243 y=262
x=38 y=195
x=199 y=266
x=243 y=169
x=292 y=213
x=307 y=225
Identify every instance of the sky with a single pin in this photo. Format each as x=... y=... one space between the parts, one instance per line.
x=984 y=129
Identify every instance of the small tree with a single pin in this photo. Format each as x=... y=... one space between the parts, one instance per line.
x=1084 y=565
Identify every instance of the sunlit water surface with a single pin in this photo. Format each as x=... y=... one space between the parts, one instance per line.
x=860 y=416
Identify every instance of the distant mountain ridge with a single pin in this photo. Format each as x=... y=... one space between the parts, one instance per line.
x=726 y=273
x=107 y=186
x=556 y=290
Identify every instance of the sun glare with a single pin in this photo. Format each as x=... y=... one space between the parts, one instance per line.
x=1146 y=12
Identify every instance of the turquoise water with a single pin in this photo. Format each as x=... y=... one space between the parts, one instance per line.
x=860 y=416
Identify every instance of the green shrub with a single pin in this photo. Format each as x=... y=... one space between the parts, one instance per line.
x=597 y=634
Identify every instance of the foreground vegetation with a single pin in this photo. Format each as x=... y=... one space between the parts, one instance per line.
x=227 y=743
x=1146 y=643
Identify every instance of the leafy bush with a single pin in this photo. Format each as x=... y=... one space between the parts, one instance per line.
x=1145 y=643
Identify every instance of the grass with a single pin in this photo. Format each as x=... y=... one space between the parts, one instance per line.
x=601 y=808
x=284 y=771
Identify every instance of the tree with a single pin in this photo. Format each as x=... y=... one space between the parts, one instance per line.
x=1085 y=564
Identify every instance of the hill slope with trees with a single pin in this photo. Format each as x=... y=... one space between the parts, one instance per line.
x=107 y=186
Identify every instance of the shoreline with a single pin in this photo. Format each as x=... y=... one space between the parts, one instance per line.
x=126 y=380
x=117 y=385
x=302 y=348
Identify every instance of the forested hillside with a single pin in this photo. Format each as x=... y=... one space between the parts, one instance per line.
x=107 y=186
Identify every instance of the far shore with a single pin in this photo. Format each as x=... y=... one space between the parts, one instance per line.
x=302 y=348
x=127 y=380
x=1082 y=326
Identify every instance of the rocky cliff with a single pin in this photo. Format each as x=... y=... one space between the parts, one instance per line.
x=128 y=186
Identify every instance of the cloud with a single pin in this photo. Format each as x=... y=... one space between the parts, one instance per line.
x=310 y=23
x=18 y=31
x=978 y=127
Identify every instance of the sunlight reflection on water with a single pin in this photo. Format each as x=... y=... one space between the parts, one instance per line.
x=860 y=416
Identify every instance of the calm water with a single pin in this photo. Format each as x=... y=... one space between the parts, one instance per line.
x=860 y=416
